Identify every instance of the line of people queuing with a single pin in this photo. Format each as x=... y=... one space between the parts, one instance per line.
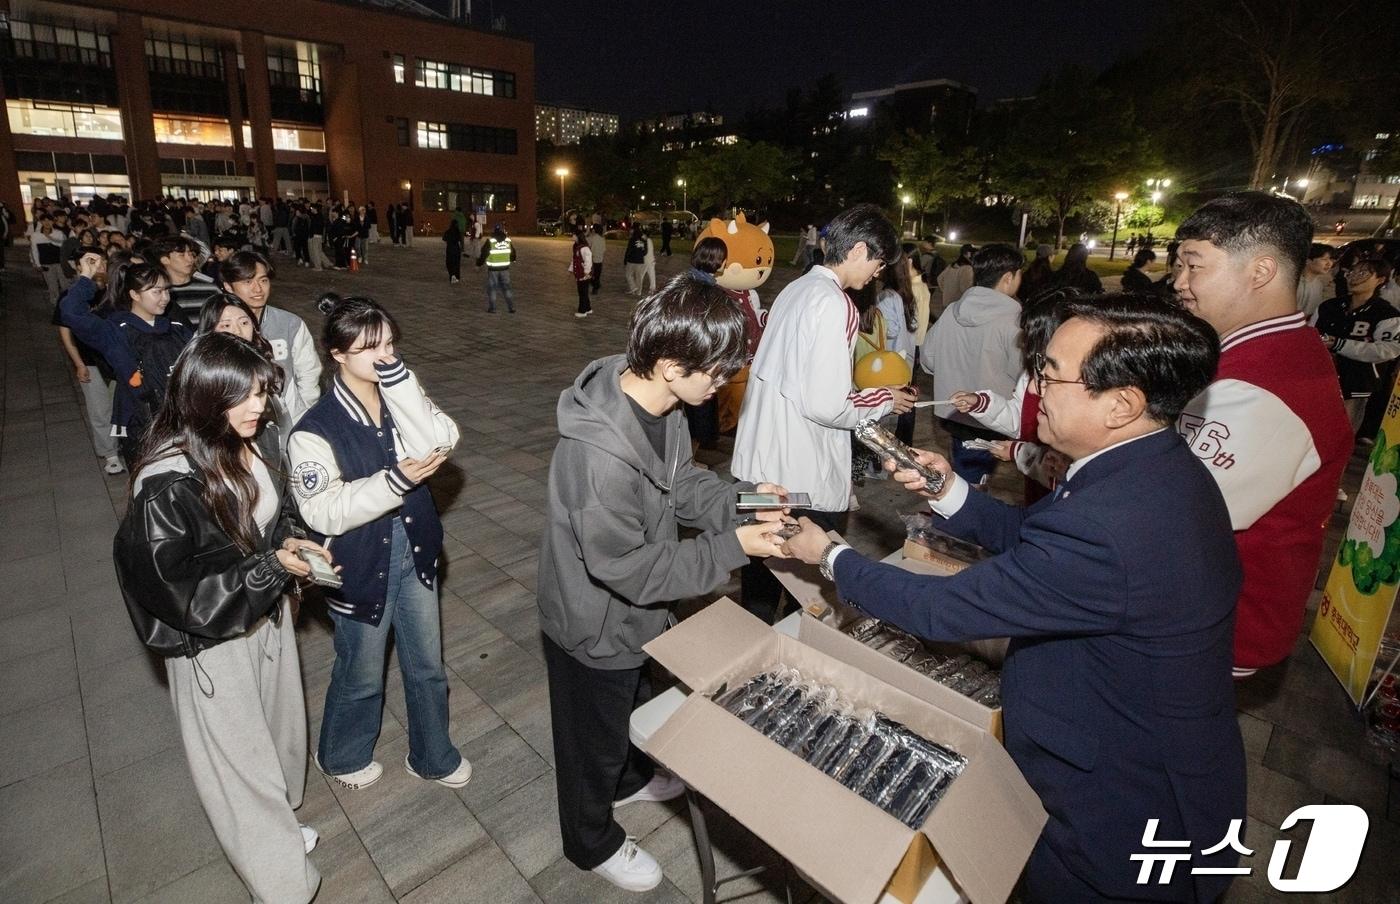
x=1129 y=390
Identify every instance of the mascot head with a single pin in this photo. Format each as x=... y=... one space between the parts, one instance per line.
x=749 y=261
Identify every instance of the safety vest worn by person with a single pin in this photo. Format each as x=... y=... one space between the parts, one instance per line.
x=498 y=256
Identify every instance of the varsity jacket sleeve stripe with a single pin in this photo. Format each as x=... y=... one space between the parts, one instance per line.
x=1383 y=347
x=330 y=505
x=822 y=389
x=1254 y=445
x=421 y=425
x=996 y=412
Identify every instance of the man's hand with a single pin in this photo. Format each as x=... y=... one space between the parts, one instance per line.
x=1001 y=450
x=964 y=401
x=809 y=544
x=1055 y=465
x=914 y=482
x=758 y=540
x=81 y=372
x=420 y=469
x=90 y=265
x=904 y=398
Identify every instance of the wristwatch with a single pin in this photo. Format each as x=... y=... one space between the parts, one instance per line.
x=824 y=564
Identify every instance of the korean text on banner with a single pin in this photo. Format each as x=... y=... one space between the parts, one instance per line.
x=1361 y=588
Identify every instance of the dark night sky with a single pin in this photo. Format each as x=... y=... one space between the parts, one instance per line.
x=644 y=58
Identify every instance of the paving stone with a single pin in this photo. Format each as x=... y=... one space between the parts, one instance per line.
x=34 y=632
x=484 y=876
x=37 y=739
x=213 y=883
x=1328 y=769
x=502 y=762
x=153 y=827
x=37 y=678
x=525 y=824
x=124 y=729
x=1255 y=732
x=412 y=828
x=94 y=892
x=348 y=874
x=50 y=843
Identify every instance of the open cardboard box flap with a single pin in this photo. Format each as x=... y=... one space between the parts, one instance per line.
x=983 y=829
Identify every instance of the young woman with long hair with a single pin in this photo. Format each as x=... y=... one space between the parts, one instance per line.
x=897 y=306
x=135 y=337
x=204 y=558
x=361 y=458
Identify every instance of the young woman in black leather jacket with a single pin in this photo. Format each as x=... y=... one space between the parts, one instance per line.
x=204 y=557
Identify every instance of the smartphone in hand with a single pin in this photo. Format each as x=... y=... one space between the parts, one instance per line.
x=321 y=571
x=761 y=502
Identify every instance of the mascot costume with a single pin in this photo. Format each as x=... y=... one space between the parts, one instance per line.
x=747 y=265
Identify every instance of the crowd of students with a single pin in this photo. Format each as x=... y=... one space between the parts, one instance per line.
x=244 y=472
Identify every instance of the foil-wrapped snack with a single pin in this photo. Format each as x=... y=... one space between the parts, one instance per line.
x=857 y=769
x=785 y=706
x=815 y=703
x=901 y=648
x=756 y=696
x=886 y=445
x=862 y=629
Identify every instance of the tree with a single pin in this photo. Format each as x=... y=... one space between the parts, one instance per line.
x=746 y=173
x=931 y=176
x=1145 y=216
x=1073 y=144
x=1276 y=62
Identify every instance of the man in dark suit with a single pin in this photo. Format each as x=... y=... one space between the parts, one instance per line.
x=1118 y=594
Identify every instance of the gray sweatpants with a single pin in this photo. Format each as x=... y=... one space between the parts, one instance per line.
x=243 y=723
x=97 y=399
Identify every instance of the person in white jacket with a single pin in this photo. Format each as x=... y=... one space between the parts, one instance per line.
x=248 y=275
x=976 y=344
x=795 y=425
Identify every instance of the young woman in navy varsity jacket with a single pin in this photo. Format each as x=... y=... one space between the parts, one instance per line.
x=360 y=460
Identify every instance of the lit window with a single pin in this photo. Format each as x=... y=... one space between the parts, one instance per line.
x=63 y=120
x=185 y=130
x=432 y=134
x=398 y=68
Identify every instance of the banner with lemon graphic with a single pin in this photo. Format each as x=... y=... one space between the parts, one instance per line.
x=1361 y=588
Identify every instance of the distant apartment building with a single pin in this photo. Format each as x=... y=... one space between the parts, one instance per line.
x=568 y=125
x=941 y=105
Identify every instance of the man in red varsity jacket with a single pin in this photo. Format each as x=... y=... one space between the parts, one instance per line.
x=1271 y=427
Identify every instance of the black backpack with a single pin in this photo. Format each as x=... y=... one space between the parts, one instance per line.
x=155 y=356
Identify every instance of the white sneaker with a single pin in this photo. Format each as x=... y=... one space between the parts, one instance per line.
x=663 y=786
x=112 y=465
x=353 y=781
x=310 y=838
x=457 y=778
x=631 y=868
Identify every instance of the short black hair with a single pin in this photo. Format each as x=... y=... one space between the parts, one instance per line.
x=77 y=253
x=170 y=244
x=1321 y=249
x=1143 y=257
x=991 y=262
x=1148 y=343
x=709 y=254
x=1376 y=264
x=1248 y=221
x=862 y=223
x=228 y=240
x=244 y=265
x=691 y=322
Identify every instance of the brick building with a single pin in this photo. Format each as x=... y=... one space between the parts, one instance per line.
x=263 y=98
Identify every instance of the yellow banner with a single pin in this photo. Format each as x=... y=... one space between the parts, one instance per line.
x=1361 y=588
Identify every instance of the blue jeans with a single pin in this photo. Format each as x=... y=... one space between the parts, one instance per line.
x=972 y=464
x=498 y=281
x=355 y=700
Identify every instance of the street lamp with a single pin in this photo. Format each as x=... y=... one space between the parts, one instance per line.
x=561 y=172
x=903 y=202
x=685 y=194
x=1156 y=196
x=1120 y=197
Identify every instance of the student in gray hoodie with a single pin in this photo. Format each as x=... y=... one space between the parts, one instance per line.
x=621 y=482
x=977 y=343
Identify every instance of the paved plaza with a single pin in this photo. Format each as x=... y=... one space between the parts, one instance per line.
x=96 y=802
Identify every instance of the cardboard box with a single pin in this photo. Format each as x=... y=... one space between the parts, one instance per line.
x=982 y=830
x=817 y=597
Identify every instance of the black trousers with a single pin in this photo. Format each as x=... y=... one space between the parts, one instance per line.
x=454 y=265
x=595 y=763
x=758 y=586
x=584 y=305
x=597 y=279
